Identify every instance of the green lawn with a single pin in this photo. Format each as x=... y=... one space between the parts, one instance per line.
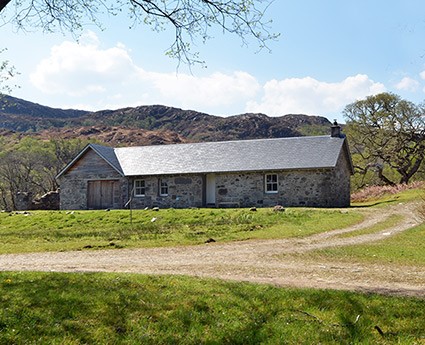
x=100 y=308
x=59 y=308
x=60 y=230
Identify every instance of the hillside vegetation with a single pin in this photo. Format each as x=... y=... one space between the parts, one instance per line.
x=17 y=115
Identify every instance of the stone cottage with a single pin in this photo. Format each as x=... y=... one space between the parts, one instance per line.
x=300 y=171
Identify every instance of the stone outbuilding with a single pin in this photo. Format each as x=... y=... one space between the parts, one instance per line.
x=299 y=171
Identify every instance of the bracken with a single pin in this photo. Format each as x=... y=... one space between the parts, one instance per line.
x=375 y=192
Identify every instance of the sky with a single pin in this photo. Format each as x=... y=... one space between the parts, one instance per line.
x=330 y=53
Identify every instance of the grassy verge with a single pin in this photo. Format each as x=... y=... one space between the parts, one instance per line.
x=406 y=248
x=383 y=196
x=59 y=230
x=391 y=221
x=54 y=308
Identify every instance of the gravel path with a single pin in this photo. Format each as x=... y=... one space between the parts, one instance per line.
x=279 y=262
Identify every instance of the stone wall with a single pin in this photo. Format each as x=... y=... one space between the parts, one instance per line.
x=25 y=201
x=74 y=183
x=245 y=190
x=48 y=201
x=307 y=188
x=183 y=191
x=298 y=188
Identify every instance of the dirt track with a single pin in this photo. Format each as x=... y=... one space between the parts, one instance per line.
x=278 y=262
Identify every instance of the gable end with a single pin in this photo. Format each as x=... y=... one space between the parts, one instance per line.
x=83 y=153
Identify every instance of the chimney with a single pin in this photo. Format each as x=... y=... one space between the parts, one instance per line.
x=335 y=130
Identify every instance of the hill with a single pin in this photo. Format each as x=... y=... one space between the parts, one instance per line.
x=155 y=124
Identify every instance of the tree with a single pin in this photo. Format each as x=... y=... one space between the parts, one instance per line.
x=191 y=19
x=387 y=135
x=26 y=167
x=31 y=165
x=7 y=72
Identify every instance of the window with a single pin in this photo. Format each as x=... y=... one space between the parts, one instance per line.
x=271 y=183
x=139 y=188
x=163 y=188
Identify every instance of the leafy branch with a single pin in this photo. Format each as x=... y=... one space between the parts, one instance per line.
x=191 y=20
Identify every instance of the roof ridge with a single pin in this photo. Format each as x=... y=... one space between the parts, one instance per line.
x=231 y=141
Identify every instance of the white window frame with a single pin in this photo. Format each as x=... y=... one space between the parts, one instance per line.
x=271 y=183
x=163 y=188
x=139 y=190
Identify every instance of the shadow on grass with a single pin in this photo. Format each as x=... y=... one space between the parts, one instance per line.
x=374 y=203
x=91 y=308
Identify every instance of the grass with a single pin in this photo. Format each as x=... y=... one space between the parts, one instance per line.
x=406 y=248
x=59 y=230
x=383 y=195
x=102 y=308
x=58 y=308
x=391 y=221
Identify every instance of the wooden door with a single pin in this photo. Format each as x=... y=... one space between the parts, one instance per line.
x=100 y=194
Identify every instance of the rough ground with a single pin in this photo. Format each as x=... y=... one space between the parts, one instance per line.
x=279 y=262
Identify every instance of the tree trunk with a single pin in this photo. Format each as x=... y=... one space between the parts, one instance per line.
x=406 y=175
x=384 y=178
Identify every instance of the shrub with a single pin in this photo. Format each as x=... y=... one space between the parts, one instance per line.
x=376 y=192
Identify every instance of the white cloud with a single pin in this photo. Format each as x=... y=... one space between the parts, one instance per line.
x=79 y=69
x=88 y=76
x=407 y=84
x=215 y=89
x=97 y=78
x=310 y=96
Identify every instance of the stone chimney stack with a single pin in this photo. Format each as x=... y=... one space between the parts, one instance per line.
x=335 y=130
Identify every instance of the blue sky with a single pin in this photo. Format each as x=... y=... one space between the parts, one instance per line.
x=329 y=54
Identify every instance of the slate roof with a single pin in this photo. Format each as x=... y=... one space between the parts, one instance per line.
x=226 y=156
x=231 y=156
